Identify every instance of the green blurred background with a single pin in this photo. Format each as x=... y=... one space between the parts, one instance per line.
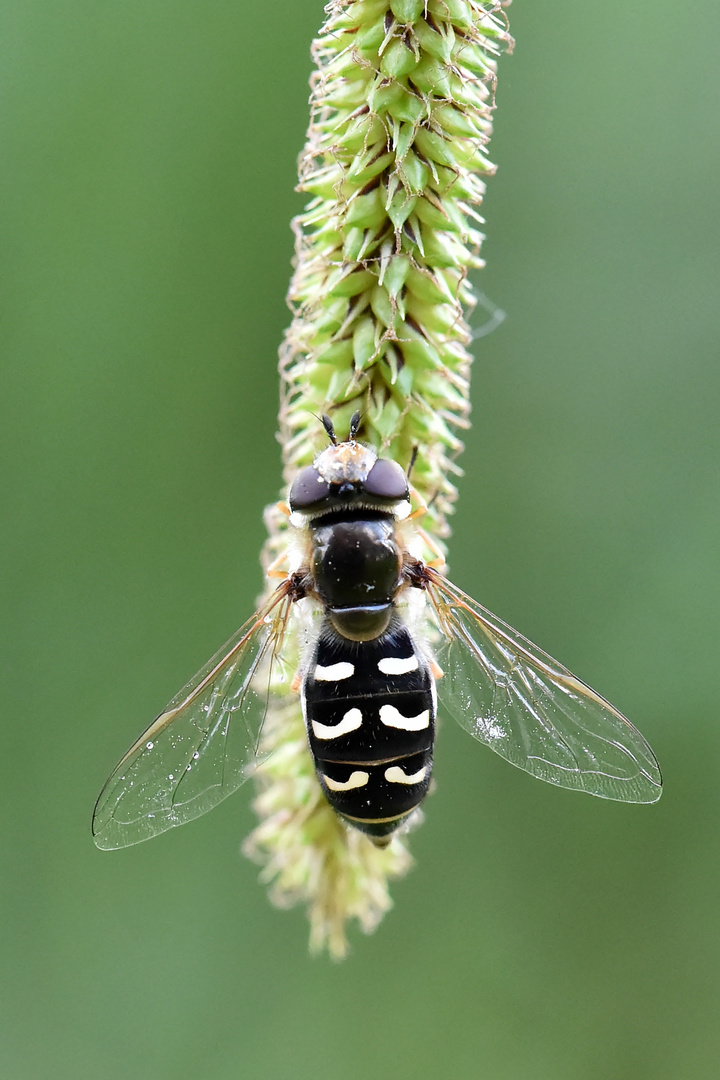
x=148 y=168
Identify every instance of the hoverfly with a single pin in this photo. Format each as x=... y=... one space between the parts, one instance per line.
x=369 y=680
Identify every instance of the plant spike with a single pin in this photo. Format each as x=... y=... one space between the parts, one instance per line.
x=401 y=104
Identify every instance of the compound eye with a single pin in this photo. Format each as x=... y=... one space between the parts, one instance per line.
x=308 y=488
x=386 y=480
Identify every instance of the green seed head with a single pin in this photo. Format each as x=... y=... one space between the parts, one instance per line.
x=401 y=106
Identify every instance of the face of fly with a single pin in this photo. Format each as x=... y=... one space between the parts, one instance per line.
x=348 y=474
x=347 y=463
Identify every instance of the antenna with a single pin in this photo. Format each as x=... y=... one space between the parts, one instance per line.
x=354 y=425
x=328 y=425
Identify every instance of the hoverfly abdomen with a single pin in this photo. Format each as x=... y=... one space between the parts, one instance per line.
x=393 y=789
x=370 y=712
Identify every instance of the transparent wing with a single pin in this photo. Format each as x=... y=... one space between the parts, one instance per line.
x=196 y=752
x=531 y=710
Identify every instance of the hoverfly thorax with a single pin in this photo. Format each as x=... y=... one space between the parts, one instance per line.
x=349 y=499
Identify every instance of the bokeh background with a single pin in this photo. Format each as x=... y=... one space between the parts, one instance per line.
x=148 y=167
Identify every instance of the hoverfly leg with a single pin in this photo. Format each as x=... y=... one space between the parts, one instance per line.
x=273 y=570
x=439 y=561
x=421 y=508
x=296 y=681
